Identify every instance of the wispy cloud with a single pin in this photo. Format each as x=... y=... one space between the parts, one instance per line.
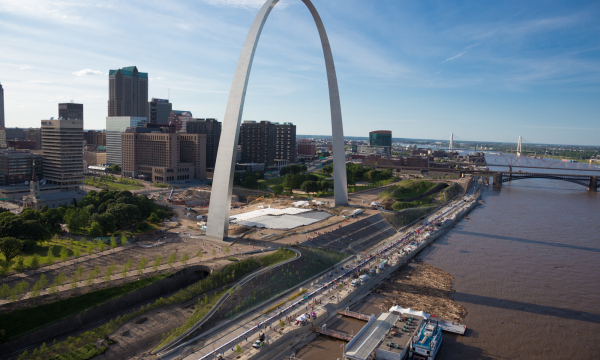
x=461 y=54
x=87 y=72
x=24 y=67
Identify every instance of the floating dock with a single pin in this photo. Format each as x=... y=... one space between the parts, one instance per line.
x=448 y=326
x=334 y=334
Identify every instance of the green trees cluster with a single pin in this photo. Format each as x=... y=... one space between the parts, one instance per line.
x=247 y=179
x=292 y=169
x=357 y=172
x=106 y=211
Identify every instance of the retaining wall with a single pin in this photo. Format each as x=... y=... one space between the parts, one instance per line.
x=167 y=285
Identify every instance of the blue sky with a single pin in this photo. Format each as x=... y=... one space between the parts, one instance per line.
x=487 y=71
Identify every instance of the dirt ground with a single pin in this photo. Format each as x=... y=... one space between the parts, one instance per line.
x=422 y=287
x=137 y=337
x=173 y=244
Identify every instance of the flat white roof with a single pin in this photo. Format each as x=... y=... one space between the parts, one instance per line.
x=363 y=346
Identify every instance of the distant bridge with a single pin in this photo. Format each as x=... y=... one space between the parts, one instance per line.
x=514 y=161
x=500 y=177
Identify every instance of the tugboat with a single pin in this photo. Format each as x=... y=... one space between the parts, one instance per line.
x=426 y=343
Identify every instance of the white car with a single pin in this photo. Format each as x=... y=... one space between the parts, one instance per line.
x=258 y=344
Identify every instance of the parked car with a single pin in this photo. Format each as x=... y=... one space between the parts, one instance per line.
x=258 y=344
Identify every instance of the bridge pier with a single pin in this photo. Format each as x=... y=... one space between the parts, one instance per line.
x=498 y=180
x=593 y=184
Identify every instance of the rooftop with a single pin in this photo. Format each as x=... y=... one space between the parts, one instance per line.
x=368 y=339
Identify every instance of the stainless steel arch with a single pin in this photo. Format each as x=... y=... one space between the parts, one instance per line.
x=220 y=199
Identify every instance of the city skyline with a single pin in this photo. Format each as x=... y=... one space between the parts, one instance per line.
x=419 y=72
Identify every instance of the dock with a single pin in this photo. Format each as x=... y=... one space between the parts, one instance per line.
x=354 y=315
x=332 y=333
x=448 y=326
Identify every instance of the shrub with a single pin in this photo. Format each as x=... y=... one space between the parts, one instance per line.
x=141 y=265
x=64 y=253
x=172 y=259
x=113 y=242
x=35 y=262
x=185 y=258
x=157 y=262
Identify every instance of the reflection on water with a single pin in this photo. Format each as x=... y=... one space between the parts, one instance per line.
x=527 y=268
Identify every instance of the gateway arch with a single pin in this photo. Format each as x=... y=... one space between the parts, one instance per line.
x=220 y=199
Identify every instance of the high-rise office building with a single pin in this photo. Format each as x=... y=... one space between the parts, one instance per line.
x=159 y=111
x=70 y=111
x=1 y=106
x=62 y=145
x=159 y=155
x=127 y=92
x=115 y=125
x=257 y=140
x=179 y=119
x=93 y=137
x=212 y=129
x=285 y=142
x=307 y=147
x=380 y=138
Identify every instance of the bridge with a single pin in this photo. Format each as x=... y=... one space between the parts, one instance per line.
x=513 y=161
x=500 y=177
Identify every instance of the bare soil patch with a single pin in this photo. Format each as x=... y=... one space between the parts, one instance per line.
x=422 y=287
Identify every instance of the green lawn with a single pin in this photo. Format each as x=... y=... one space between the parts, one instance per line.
x=111 y=185
x=19 y=322
x=41 y=249
x=134 y=231
x=405 y=189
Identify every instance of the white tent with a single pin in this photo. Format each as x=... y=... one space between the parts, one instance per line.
x=302 y=317
x=408 y=311
x=373 y=203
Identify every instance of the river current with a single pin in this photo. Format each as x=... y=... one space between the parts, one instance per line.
x=527 y=268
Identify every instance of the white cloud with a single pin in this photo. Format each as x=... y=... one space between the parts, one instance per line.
x=87 y=72
x=24 y=67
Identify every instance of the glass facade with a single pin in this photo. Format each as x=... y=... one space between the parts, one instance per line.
x=115 y=125
x=380 y=138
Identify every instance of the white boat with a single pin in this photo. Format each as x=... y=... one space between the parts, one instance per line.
x=426 y=343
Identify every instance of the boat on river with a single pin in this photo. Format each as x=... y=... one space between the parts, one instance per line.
x=426 y=343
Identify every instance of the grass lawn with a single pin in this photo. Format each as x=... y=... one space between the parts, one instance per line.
x=111 y=185
x=407 y=189
x=41 y=249
x=19 y=322
x=134 y=231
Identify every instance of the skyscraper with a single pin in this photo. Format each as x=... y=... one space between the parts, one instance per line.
x=115 y=125
x=212 y=129
x=159 y=111
x=70 y=111
x=285 y=142
x=258 y=142
x=1 y=106
x=62 y=143
x=128 y=92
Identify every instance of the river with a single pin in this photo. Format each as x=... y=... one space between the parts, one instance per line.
x=527 y=268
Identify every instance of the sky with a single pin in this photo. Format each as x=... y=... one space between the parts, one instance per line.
x=485 y=71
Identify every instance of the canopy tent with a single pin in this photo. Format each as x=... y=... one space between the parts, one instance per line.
x=408 y=311
x=302 y=317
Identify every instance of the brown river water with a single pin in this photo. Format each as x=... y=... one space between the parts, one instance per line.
x=527 y=269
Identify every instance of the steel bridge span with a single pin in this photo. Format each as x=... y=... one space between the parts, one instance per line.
x=501 y=177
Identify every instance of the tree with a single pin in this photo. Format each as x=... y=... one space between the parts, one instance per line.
x=125 y=214
x=227 y=249
x=51 y=219
x=260 y=175
x=277 y=189
x=95 y=230
x=185 y=258
x=113 y=242
x=141 y=265
x=123 y=240
x=309 y=187
x=10 y=247
x=157 y=261
x=172 y=259
x=34 y=231
x=154 y=218
x=116 y=168
x=30 y=214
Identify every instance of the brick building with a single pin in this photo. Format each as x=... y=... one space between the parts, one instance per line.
x=162 y=156
x=212 y=129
